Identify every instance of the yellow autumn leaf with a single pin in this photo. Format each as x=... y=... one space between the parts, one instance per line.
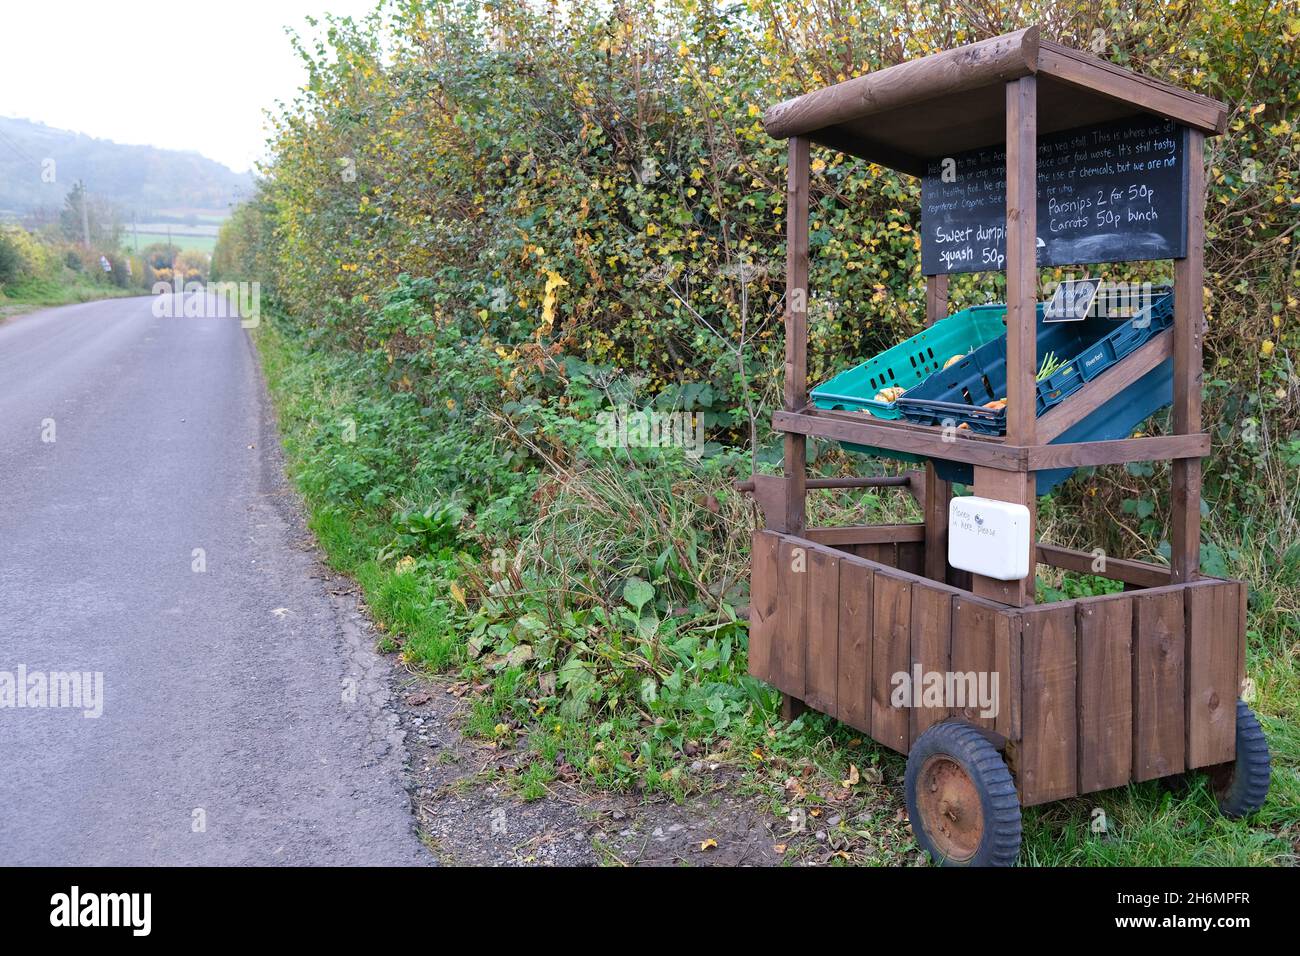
x=853 y=777
x=458 y=593
x=708 y=845
x=554 y=281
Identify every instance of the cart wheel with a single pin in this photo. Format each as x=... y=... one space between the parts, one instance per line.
x=1242 y=786
x=961 y=799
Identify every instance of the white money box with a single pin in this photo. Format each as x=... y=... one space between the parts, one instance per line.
x=989 y=537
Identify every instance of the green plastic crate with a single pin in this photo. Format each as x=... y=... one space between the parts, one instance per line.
x=910 y=362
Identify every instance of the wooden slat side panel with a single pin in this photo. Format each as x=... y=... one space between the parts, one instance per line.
x=762 y=603
x=1211 y=672
x=885 y=553
x=1159 y=738
x=890 y=655
x=931 y=654
x=1007 y=640
x=1048 y=756
x=790 y=636
x=854 y=694
x=1243 y=622
x=974 y=652
x=821 y=651
x=845 y=537
x=911 y=557
x=1105 y=655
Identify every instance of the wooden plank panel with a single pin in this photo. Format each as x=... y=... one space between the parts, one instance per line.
x=974 y=651
x=886 y=554
x=866 y=534
x=1243 y=622
x=854 y=693
x=890 y=655
x=931 y=652
x=821 y=650
x=911 y=557
x=792 y=607
x=1007 y=641
x=1211 y=669
x=1048 y=753
x=1105 y=654
x=1159 y=739
x=762 y=603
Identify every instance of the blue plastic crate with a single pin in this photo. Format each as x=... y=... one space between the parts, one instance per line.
x=958 y=393
x=911 y=361
x=1117 y=418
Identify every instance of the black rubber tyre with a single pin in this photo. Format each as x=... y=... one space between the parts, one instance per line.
x=961 y=798
x=1241 y=787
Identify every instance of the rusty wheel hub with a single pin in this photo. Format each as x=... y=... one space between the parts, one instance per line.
x=950 y=808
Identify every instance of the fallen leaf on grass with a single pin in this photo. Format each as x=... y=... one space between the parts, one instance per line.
x=853 y=777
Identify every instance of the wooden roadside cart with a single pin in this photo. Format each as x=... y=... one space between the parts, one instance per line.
x=1095 y=692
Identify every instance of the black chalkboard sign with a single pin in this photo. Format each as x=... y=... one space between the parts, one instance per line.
x=1108 y=193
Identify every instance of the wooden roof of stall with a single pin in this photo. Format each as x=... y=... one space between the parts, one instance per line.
x=955 y=100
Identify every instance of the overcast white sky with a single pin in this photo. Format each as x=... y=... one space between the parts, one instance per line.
x=123 y=70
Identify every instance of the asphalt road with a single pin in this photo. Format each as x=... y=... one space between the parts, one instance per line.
x=245 y=715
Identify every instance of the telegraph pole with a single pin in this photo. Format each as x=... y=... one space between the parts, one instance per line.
x=85 y=217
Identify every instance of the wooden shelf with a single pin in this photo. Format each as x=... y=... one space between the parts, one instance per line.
x=933 y=442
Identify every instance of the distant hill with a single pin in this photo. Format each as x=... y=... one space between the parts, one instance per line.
x=150 y=183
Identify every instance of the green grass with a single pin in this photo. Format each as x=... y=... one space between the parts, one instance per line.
x=365 y=498
x=45 y=293
x=183 y=241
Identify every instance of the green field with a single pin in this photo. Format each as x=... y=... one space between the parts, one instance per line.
x=182 y=240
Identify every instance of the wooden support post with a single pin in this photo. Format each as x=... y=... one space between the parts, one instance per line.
x=1189 y=321
x=1022 y=342
x=936 y=298
x=937 y=491
x=796 y=328
x=791 y=707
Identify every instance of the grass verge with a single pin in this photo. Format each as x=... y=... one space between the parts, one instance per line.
x=33 y=294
